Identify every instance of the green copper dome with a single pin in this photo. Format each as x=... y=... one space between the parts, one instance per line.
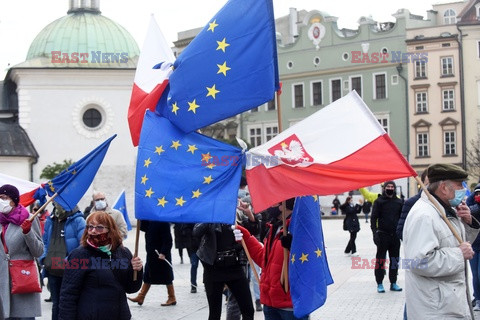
x=83 y=38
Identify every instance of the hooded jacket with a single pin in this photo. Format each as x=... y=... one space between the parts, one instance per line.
x=386 y=212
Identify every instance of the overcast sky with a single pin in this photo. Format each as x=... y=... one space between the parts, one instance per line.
x=22 y=20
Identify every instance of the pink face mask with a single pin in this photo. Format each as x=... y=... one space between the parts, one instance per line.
x=477 y=198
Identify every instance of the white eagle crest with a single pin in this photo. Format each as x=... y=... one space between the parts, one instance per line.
x=292 y=153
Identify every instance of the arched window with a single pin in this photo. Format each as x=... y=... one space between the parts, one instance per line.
x=450 y=17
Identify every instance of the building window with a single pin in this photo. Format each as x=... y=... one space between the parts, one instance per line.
x=449 y=143
x=336 y=89
x=255 y=136
x=356 y=84
x=271 y=105
x=270 y=132
x=380 y=86
x=447 y=66
x=420 y=69
x=298 y=96
x=422 y=145
x=317 y=93
x=92 y=118
x=421 y=102
x=383 y=120
x=448 y=100
x=394 y=79
x=449 y=17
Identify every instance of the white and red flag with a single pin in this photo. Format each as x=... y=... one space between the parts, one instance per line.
x=26 y=188
x=151 y=77
x=339 y=148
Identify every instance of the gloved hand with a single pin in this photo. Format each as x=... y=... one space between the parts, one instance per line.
x=244 y=233
x=286 y=241
x=238 y=235
x=26 y=226
x=376 y=239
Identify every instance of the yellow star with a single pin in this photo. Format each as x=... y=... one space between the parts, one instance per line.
x=206 y=157
x=211 y=166
x=208 y=179
x=212 y=26
x=162 y=202
x=212 y=92
x=147 y=162
x=180 y=201
x=222 y=45
x=196 y=193
x=74 y=172
x=304 y=257
x=284 y=145
x=315 y=197
x=149 y=192
x=175 y=144
x=193 y=106
x=144 y=179
x=222 y=68
x=175 y=108
x=192 y=148
x=159 y=150
x=318 y=252
x=293 y=258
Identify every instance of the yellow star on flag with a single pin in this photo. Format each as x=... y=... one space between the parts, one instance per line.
x=222 y=68
x=284 y=145
x=192 y=148
x=304 y=257
x=175 y=144
x=144 y=179
x=193 y=106
x=293 y=258
x=207 y=180
x=315 y=197
x=206 y=157
x=147 y=162
x=211 y=166
x=212 y=26
x=175 y=108
x=180 y=201
x=212 y=92
x=149 y=192
x=159 y=150
x=196 y=193
x=222 y=45
x=162 y=202
x=318 y=252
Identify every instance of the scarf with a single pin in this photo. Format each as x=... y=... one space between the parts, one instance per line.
x=100 y=242
x=16 y=216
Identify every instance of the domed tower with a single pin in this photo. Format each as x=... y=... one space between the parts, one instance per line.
x=72 y=93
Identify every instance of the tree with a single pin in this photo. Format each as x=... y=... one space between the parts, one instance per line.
x=51 y=171
x=473 y=157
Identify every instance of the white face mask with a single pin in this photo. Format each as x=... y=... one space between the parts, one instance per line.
x=100 y=204
x=5 y=206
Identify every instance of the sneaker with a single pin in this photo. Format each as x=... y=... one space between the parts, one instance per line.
x=258 y=305
x=477 y=306
x=395 y=287
x=193 y=289
x=355 y=254
x=48 y=299
x=380 y=288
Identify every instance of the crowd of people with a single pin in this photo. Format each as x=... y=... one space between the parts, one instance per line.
x=89 y=271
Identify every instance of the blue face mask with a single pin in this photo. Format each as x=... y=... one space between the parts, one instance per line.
x=459 y=196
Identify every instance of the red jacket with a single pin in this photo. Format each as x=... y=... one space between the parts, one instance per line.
x=271 y=261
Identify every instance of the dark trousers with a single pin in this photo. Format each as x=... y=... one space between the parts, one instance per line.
x=389 y=243
x=55 y=284
x=351 y=247
x=239 y=288
x=193 y=266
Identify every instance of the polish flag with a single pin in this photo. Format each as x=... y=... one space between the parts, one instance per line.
x=339 y=148
x=151 y=78
x=25 y=188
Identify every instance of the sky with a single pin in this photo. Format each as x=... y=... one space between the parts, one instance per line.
x=22 y=20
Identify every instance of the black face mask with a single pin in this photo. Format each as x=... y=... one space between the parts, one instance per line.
x=389 y=192
x=273 y=213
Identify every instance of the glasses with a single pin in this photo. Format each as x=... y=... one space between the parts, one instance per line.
x=99 y=199
x=98 y=228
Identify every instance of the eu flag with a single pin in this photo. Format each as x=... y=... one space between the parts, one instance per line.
x=71 y=184
x=309 y=274
x=228 y=68
x=185 y=177
x=121 y=205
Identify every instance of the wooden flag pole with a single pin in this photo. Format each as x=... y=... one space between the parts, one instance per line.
x=42 y=207
x=250 y=261
x=135 y=254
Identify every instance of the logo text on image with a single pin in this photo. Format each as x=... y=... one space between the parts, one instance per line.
x=95 y=57
x=392 y=57
x=395 y=263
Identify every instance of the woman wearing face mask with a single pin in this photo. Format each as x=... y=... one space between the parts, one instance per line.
x=99 y=274
x=22 y=240
x=351 y=224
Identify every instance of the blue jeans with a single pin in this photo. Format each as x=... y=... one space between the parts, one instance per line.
x=55 y=286
x=251 y=276
x=193 y=268
x=475 y=265
x=271 y=313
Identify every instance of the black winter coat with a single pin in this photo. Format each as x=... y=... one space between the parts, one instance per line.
x=94 y=285
x=385 y=214
x=158 y=237
x=351 y=218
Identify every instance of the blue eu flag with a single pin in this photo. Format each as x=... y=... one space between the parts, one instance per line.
x=230 y=67
x=71 y=184
x=185 y=177
x=121 y=205
x=309 y=274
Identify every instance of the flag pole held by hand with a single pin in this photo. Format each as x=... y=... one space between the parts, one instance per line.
x=137 y=236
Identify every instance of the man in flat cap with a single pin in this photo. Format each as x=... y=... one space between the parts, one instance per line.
x=435 y=275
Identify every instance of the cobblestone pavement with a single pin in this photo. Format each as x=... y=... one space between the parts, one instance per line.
x=352 y=296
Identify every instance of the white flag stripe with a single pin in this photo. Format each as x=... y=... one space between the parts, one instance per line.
x=154 y=51
x=349 y=118
x=23 y=186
